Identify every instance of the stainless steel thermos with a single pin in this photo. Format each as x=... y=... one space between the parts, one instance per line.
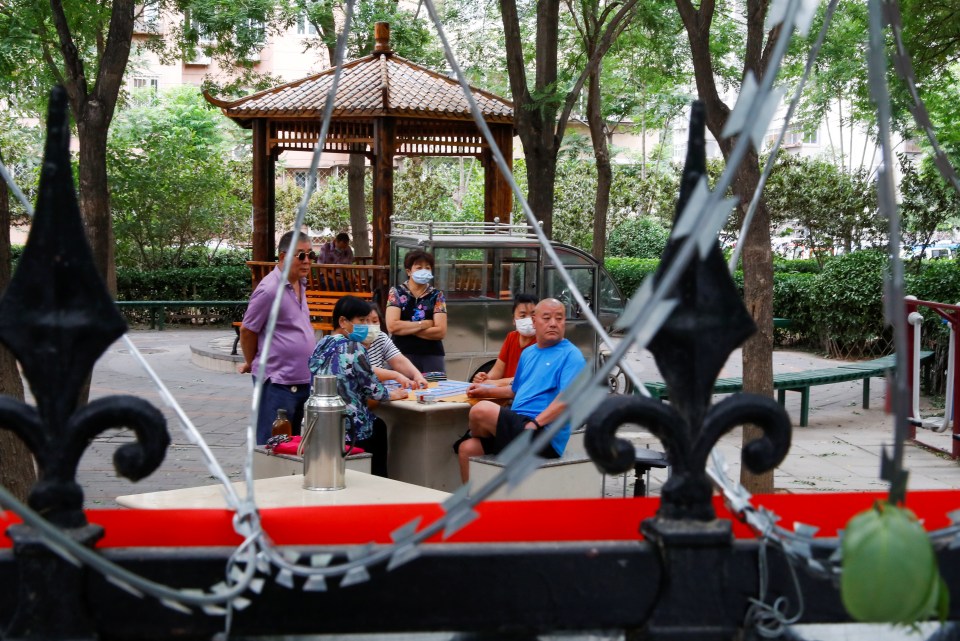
x=324 y=460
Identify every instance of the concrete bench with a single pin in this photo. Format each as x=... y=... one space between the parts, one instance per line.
x=267 y=465
x=802 y=381
x=568 y=477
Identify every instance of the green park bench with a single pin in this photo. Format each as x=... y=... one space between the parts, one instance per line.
x=803 y=381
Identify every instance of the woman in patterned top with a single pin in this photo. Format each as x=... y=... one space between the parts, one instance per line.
x=342 y=354
x=417 y=314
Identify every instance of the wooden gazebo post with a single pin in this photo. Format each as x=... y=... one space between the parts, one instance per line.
x=264 y=201
x=497 y=197
x=384 y=141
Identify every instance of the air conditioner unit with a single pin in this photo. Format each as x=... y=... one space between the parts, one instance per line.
x=198 y=60
x=253 y=56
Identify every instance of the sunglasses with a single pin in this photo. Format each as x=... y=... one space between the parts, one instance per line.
x=304 y=255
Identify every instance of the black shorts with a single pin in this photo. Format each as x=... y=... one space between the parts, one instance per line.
x=509 y=426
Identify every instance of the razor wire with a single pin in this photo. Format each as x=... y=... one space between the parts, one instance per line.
x=695 y=231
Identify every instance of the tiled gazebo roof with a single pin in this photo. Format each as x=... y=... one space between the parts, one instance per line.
x=381 y=84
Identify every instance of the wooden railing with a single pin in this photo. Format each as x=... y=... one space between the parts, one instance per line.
x=331 y=278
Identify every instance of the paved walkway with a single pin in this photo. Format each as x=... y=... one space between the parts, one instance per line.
x=839 y=450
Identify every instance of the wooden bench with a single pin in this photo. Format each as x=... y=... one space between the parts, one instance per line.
x=802 y=381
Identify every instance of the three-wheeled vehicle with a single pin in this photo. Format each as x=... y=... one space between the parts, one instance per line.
x=481 y=266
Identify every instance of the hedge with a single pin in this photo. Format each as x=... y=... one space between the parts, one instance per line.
x=192 y=283
x=839 y=309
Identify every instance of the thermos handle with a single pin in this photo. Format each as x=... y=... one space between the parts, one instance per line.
x=307 y=431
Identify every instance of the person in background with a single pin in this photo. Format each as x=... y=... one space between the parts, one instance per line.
x=342 y=354
x=417 y=314
x=522 y=337
x=383 y=352
x=545 y=370
x=286 y=382
x=336 y=251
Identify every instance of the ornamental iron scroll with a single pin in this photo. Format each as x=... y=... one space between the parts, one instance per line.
x=58 y=318
x=709 y=322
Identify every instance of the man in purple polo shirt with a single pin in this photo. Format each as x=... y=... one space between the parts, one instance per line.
x=286 y=382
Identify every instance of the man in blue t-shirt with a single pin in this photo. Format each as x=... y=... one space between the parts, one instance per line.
x=545 y=370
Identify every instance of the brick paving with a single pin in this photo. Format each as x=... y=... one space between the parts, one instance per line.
x=839 y=450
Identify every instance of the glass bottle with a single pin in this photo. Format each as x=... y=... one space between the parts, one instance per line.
x=282 y=424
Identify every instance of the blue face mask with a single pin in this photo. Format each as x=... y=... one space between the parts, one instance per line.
x=359 y=332
x=422 y=276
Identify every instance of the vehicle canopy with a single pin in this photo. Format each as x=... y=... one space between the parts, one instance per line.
x=481 y=267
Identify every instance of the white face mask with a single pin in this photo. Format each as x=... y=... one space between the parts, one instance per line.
x=372 y=332
x=525 y=326
x=422 y=276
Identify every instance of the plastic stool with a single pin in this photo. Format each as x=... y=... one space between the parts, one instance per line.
x=646 y=460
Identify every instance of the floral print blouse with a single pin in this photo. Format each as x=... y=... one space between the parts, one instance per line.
x=417 y=309
x=356 y=383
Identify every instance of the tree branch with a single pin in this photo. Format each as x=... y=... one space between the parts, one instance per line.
x=613 y=29
x=115 y=54
x=515 y=66
x=51 y=63
x=74 y=81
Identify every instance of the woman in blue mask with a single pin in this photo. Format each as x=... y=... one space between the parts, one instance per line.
x=417 y=314
x=342 y=354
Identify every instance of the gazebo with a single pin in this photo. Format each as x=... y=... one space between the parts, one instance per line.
x=385 y=106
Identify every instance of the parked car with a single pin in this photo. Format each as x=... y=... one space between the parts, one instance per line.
x=481 y=266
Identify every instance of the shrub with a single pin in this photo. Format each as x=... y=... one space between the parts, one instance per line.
x=792 y=298
x=847 y=304
x=639 y=237
x=195 y=283
x=628 y=273
x=795 y=266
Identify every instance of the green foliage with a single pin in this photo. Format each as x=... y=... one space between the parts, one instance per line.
x=640 y=237
x=21 y=146
x=847 y=303
x=835 y=207
x=796 y=265
x=329 y=207
x=928 y=203
x=428 y=189
x=172 y=181
x=937 y=281
x=628 y=273
x=230 y=282
x=793 y=299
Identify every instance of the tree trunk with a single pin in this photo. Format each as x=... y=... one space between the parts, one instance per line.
x=601 y=153
x=94 y=195
x=757 y=255
x=541 y=173
x=758 y=297
x=17 y=471
x=356 y=176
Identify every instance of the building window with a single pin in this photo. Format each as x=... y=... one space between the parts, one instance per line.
x=300 y=178
x=796 y=136
x=304 y=26
x=140 y=82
